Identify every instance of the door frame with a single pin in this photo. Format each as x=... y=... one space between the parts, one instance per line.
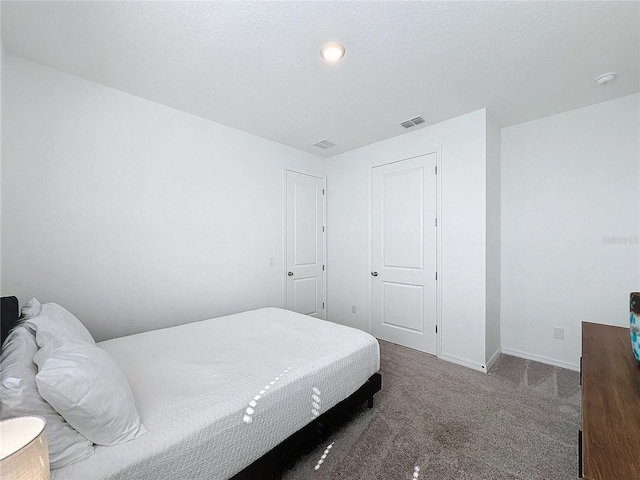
x=437 y=150
x=283 y=252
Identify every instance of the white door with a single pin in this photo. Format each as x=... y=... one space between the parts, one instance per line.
x=404 y=252
x=305 y=244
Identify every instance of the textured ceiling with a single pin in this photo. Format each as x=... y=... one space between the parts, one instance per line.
x=256 y=66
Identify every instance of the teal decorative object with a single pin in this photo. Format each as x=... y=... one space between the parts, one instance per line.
x=634 y=318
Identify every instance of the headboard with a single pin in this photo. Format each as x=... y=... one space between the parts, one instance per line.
x=10 y=314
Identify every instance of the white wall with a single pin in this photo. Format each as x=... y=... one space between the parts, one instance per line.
x=2 y=57
x=492 y=349
x=569 y=185
x=131 y=214
x=462 y=273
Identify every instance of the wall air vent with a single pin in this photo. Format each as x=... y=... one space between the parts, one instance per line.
x=324 y=144
x=414 y=121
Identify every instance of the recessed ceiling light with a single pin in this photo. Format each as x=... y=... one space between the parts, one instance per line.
x=332 y=51
x=606 y=78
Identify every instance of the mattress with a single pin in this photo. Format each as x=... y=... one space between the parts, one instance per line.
x=218 y=394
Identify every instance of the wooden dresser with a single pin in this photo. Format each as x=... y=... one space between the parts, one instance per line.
x=610 y=379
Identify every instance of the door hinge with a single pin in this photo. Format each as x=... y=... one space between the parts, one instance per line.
x=323 y=228
x=436 y=328
x=436 y=219
x=323 y=268
x=436 y=169
x=323 y=191
x=436 y=275
x=323 y=305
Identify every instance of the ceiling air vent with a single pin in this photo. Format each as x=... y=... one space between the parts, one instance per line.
x=324 y=144
x=414 y=121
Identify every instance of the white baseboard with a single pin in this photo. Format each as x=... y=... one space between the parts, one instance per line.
x=464 y=362
x=541 y=359
x=493 y=358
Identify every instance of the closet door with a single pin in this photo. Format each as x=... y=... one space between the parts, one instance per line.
x=404 y=252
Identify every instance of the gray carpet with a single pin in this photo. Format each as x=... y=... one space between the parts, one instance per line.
x=545 y=379
x=436 y=420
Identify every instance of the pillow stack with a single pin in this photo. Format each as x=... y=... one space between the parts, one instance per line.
x=20 y=397
x=51 y=366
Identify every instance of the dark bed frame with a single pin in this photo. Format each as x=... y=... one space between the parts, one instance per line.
x=10 y=314
x=272 y=463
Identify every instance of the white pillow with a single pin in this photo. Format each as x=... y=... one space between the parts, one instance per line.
x=19 y=396
x=86 y=386
x=56 y=322
x=31 y=309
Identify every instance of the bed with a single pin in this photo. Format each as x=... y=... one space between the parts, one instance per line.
x=232 y=397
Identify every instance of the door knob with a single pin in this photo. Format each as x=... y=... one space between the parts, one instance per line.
x=290 y=274
x=375 y=274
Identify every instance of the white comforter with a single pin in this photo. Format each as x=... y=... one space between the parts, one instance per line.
x=218 y=394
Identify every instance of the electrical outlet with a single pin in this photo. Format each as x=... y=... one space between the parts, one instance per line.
x=353 y=309
x=558 y=332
